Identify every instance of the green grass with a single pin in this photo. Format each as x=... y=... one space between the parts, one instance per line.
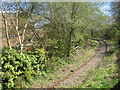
x=103 y=77
x=111 y=41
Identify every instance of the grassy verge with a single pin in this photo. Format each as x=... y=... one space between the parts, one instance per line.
x=103 y=77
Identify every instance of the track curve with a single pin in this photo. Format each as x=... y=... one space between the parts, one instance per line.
x=101 y=50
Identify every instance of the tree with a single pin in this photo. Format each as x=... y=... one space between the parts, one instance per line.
x=5 y=21
x=116 y=18
x=16 y=20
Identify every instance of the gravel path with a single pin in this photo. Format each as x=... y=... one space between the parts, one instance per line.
x=78 y=76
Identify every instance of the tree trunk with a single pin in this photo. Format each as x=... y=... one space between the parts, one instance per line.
x=17 y=29
x=72 y=17
x=69 y=42
x=6 y=30
x=92 y=33
x=25 y=27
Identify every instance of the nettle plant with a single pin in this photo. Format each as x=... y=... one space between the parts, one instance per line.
x=21 y=65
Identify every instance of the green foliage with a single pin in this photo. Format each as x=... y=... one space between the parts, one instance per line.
x=56 y=48
x=17 y=65
x=104 y=77
x=87 y=36
x=54 y=63
x=57 y=27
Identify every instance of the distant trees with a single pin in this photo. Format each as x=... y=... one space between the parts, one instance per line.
x=116 y=19
x=56 y=27
x=116 y=29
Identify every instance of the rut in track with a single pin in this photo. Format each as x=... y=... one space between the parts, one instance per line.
x=78 y=75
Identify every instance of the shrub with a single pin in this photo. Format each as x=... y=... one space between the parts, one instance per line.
x=21 y=65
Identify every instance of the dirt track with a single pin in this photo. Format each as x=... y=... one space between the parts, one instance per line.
x=78 y=76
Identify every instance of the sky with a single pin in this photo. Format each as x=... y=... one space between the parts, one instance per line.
x=106 y=8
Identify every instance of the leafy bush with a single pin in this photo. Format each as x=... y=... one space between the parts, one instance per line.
x=56 y=48
x=87 y=36
x=17 y=65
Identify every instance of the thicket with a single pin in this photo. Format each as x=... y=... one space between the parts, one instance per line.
x=18 y=66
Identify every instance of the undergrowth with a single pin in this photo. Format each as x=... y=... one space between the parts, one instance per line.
x=24 y=69
x=105 y=76
x=58 y=74
x=19 y=67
